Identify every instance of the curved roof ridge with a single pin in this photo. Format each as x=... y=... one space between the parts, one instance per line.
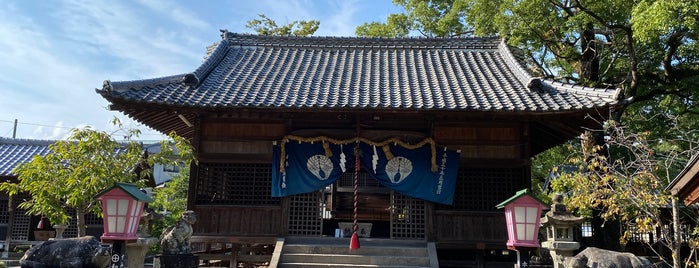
x=361 y=42
x=536 y=83
x=189 y=79
x=514 y=64
x=608 y=93
x=212 y=60
x=108 y=86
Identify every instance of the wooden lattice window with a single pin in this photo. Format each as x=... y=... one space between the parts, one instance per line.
x=246 y=184
x=305 y=214
x=4 y=213
x=20 y=226
x=481 y=189
x=90 y=220
x=364 y=179
x=408 y=217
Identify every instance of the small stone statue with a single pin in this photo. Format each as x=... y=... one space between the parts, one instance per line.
x=146 y=225
x=175 y=239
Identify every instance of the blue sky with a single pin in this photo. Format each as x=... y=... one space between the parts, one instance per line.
x=55 y=53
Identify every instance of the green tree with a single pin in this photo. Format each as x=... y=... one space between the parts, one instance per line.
x=78 y=168
x=429 y=18
x=647 y=48
x=628 y=185
x=171 y=200
x=267 y=26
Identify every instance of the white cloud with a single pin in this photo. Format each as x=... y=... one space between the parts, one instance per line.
x=176 y=13
x=55 y=53
x=339 y=22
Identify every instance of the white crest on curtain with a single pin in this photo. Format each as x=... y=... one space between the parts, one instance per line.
x=320 y=165
x=398 y=169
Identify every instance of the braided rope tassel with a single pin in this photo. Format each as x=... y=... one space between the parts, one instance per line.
x=354 y=242
x=356 y=186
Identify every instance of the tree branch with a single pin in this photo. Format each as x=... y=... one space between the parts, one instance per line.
x=673 y=43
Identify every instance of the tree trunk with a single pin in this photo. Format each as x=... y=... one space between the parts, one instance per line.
x=80 y=219
x=589 y=62
x=677 y=231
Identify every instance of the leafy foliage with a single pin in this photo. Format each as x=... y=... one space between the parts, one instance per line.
x=170 y=200
x=77 y=169
x=429 y=18
x=267 y=26
x=629 y=185
x=647 y=47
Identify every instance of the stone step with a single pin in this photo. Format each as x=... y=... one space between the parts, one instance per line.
x=363 y=250
x=335 y=252
x=401 y=260
x=315 y=265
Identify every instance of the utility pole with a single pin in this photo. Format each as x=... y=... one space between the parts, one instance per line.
x=14 y=129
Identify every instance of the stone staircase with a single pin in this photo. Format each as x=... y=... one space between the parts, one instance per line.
x=305 y=252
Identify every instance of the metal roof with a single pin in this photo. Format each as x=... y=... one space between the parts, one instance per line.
x=16 y=151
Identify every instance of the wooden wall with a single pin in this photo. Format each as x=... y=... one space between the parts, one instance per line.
x=240 y=140
x=468 y=229
x=482 y=140
x=238 y=221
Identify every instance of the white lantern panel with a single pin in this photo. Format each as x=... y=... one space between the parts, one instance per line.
x=135 y=214
x=111 y=207
x=530 y=232
x=111 y=224
x=521 y=232
x=121 y=224
x=123 y=207
x=531 y=215
x=520 y=214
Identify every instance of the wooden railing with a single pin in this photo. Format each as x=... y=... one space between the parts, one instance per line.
x=232 y=250
x=470 y=228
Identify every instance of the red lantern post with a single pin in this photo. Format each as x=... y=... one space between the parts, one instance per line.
x=122 y=206
x=523 y=218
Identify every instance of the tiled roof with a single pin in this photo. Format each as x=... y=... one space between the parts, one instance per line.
x=461 y=74
x=16 y=151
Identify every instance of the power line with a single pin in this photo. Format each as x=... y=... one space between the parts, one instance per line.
x=34 y=124
x=61 y=127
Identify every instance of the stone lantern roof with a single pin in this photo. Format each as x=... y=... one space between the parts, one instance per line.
x=559 y=215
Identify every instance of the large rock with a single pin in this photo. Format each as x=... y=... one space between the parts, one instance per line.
x=596 y=257
x=82 y=252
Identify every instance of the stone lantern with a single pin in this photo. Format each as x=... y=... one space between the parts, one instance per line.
x=560 y=228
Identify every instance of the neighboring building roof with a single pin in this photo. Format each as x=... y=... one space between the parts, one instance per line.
x=16 y=151
x=250 y=71
x=686 y=184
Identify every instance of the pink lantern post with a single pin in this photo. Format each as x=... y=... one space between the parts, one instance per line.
x=523 y=218
x=122 y=206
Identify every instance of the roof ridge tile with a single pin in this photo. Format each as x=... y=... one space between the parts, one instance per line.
x=29 y=142
x=370 y=42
